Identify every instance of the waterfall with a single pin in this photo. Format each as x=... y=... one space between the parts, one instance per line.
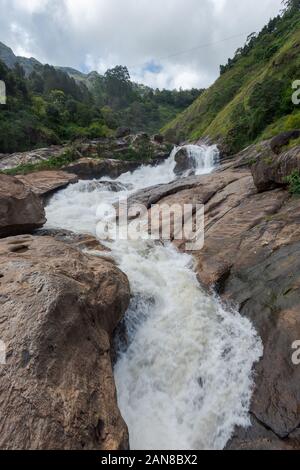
x=184 y=380
x=204 y=158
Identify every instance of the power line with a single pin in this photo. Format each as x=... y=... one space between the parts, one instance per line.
x=186 y=51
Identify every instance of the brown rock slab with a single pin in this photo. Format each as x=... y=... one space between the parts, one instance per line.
x=21 y=211
x=90 y=168
x=58 y=309
x=272 y=171
x=45 y=183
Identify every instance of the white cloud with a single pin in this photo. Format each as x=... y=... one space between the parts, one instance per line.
x=103 y=33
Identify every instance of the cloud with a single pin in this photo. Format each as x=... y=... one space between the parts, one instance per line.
x=159 y=41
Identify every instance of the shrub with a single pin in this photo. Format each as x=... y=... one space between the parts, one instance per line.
x=294 y=182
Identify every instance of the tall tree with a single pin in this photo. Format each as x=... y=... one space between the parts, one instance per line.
x=291 y=4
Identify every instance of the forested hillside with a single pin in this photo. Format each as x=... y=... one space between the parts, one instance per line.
x=48 y=105
x=252 y=98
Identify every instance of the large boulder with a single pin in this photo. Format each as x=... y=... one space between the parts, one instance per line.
x=31 y=157
x=122 y=132
x=185 y=165
x=44 y=183
x=273 y=171
x=283 y=139
x=21 y=211
x=89 y=168
x=59 y=308
x=158 y=138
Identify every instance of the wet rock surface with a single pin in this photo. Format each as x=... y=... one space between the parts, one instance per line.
x=31 y=157
x=90 y=168
x=44 y=183
x=58 y=309
x=184 y=163
x=21 y=211
x=273 y=170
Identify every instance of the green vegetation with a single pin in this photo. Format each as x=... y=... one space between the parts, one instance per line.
x=294 y=182
x=53 y=163
x=48 y=106
x=252 y=98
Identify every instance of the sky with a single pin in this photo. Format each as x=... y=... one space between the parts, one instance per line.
x=164 y=43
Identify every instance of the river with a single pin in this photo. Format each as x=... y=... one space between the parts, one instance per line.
x=185 y=379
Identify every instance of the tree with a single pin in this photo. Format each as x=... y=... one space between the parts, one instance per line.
x=118 y=86
x=291 y=4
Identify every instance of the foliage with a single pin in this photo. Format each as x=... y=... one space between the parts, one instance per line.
x=252 y=98
x=53 y=163
x=294 y=182
x=51 y=107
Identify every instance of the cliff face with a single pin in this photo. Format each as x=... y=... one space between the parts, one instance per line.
x=252 y=98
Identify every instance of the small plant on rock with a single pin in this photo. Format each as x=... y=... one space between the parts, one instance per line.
x=294 y=182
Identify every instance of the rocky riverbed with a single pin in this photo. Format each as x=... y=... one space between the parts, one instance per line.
x=51 y=292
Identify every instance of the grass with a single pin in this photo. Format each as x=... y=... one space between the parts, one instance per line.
x=54 y=163
x=251 y=101
x=294 y=182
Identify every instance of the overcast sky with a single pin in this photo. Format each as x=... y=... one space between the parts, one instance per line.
x=157 y=39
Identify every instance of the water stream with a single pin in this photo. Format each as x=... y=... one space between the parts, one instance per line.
x=185 y=379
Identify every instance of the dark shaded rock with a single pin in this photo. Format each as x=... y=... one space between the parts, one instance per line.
x=257 y=437
x=59 y=308
x=89 y=168
x=184 y=163
x=122 y=132
x=21 y=211
x=271 y=172
x=283 y=139
x=158 y=138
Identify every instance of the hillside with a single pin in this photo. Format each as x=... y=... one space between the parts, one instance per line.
x=49 y=105
x=252 y=98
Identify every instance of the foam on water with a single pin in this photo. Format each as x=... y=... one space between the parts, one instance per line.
x=185 y=380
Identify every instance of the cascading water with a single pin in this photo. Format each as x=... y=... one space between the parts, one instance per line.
x=184 y=381
x=204 y=158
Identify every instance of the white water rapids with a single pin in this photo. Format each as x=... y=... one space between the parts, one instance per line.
x=185 y=379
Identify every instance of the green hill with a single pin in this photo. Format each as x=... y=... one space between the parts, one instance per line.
x=49 y=105
x=252 y=98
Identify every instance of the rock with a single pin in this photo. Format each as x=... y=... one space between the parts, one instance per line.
x=89 y=168
x=185 y=165
x=93 y=185
x=122 y=132
x=248 y=157
x=21 y=211
x=45 y=183
x=158 y=138
x=272 y=172
x=283 y=139
x=257 y=437
x=78 y=240
x=34 y=156
x=59 y=308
